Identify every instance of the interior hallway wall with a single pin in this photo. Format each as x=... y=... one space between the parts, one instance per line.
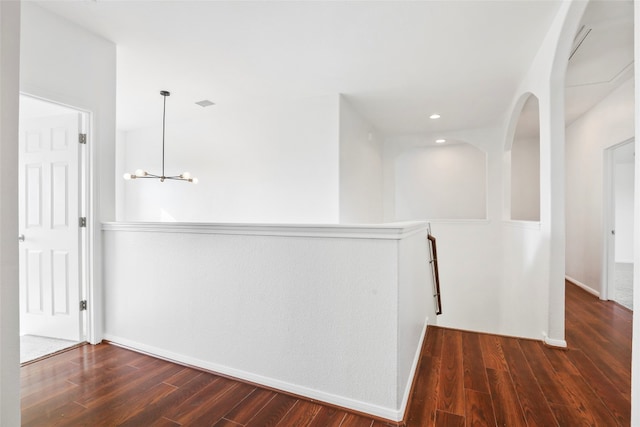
x=360 y=168
x=439 y=182
x=525 y=179
x=259 y=162
x=624 y=175
x=9 y=318
x=610 y=122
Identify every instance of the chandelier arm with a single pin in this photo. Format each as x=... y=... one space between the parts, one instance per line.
x=150 y=175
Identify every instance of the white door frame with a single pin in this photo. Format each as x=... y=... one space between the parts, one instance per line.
x=85 y=251
x=608 y=221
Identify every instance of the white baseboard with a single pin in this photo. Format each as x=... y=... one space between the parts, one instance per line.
x=413 y=371
x=583 y=286
x=553 y=342
x=344 y=402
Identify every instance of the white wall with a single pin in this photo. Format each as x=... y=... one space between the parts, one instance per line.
x=64 y=63
x=624 y=176
x=635 y=349
x=446 y=181
x=360 y=168
x=9 y=318
x=260 y=162
x=525 y=179
x=544 y=79
x=524 y=293
x=469 y=260
x=608 y=123
x=334 y=313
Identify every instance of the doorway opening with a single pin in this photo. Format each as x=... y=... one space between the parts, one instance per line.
x=52 y=227
x=619 y=222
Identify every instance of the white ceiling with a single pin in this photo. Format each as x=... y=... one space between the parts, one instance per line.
x=604 y=59
x=396 y=61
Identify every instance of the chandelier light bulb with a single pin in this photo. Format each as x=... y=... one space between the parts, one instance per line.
x=186 y=175
x=127 y=176
x=194 y=180
x=140 y=172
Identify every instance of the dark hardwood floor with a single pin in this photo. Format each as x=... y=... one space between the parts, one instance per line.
x=487 y=380
x=463 y=379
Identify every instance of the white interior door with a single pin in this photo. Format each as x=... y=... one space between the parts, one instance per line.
x=619 y=223
x=49 y=229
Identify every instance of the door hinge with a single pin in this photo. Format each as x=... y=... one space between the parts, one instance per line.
x=83 y=221
x=82 y=138
x=83 y=305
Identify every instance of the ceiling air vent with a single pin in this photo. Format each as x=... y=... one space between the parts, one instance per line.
x=581 y=36
x=205 y=103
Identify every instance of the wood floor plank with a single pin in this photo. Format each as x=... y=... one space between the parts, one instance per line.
x=58 y=416
x=328 y=417
x=162 y=422
x=252 y=404
x=475 y=377
x=183 y=377
x=119 y=407
x=301 y=415
x=273 y=412
x=492 y=353
x=424 y=400
x=109 y=387
x=54 y=404
x=618 y=403
x=49 y=391
x=201 y=401
x=479 y=409
x=451 y=384
x=353 y=420
x=168 y=404
x=581 y=396
x=545 y=376
x=433 y=341
x=219 y=406
x=532 y=400
x=447 y=419
x=506 y=406
x=226 y=423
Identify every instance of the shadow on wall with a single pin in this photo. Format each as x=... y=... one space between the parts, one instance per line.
x=525 y=164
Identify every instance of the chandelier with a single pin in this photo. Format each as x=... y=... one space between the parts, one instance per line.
x=143 y=174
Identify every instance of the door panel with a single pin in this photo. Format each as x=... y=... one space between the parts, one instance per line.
x=49 y=210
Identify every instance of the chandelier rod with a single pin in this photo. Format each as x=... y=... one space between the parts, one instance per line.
x=164 y=93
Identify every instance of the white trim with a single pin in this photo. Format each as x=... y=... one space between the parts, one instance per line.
x=345 y=402
x=390 y=231
x=583 y=286
x=608 y=219
x=533 y=225
x=460 y=221
x=413 y=371
x=553 y=342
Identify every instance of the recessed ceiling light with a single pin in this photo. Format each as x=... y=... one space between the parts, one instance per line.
x=434 y=116
x=205 y=103
x=440 y=141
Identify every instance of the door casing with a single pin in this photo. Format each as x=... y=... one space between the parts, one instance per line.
x=85 y=262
